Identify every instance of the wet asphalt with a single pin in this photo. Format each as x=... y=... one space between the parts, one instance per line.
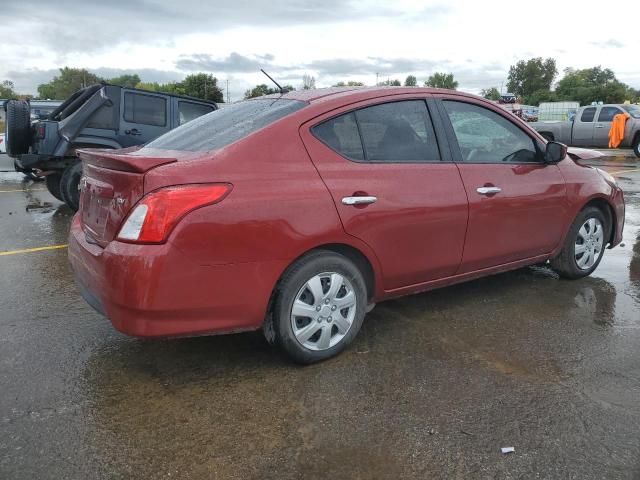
x=433 y=387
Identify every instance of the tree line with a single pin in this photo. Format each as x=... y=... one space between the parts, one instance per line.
x=532 y=81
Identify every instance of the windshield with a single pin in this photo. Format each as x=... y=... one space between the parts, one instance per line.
x=226 y=125
x=634 y=110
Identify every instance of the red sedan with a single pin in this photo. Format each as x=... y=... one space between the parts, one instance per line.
x=296 y=213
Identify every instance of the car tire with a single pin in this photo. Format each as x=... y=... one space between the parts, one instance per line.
x=584 y=246
x=18 y=127
x=327 y=329
x=69 y=185
x=53 y=185
x=636 y=145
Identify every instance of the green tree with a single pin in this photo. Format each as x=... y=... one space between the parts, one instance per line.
x=531 y=76
x=129 y=81
x=68 y=82
x=410 y=81
x=202 y=85
x=7 y=90
x=441 y=80
x=591 y=85
x=490 y=93
x=395 y=83
x=263 y=89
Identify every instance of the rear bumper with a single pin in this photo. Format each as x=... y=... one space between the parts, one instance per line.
x=157 y=291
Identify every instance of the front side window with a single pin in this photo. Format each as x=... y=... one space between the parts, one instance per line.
x=145 y=109
x=484 y=136
x=188 y=111
x=607 y=114
x=633 y=110
x=390 y=132
x=588 y=114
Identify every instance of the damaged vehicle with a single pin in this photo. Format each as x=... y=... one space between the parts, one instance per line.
x=98 y=116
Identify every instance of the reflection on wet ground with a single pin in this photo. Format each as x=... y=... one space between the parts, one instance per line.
x=433 y=387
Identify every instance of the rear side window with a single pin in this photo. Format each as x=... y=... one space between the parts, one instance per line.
x=103 y=118
x=390 y=132
x=226 y=125
x=588 y=114
x=607 y=114
x=341 y=134
x=145 y=109
x=188 y=111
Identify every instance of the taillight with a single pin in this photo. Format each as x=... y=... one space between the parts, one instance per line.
x=155 y=216
x=42 y=132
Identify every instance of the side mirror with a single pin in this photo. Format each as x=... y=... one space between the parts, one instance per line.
x=555 y=152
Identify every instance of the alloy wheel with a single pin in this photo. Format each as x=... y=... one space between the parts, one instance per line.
x=589 y=243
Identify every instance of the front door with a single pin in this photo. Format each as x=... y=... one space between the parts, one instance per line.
x=144 y=117
x=383 y=167
x=517 y=203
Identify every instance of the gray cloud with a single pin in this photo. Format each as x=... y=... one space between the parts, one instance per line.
x=235 y=63
x=610 y=43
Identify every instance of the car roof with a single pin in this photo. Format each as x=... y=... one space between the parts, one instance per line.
x=358 y=93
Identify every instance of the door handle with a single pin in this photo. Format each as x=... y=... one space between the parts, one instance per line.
x=599 y=126
x=488 y=190
x=133 y=131
x=358 y=200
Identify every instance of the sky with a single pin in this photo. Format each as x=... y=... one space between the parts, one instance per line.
x=332 y=40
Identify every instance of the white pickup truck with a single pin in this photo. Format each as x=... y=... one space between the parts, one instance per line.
x=590 y=127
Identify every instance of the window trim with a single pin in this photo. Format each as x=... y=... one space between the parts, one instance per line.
x=443 y=147
x=453 y=139
x=124 y=108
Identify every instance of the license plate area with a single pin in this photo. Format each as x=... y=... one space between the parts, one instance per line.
x=97 y=197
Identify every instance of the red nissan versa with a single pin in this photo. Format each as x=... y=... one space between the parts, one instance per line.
x=296 y=213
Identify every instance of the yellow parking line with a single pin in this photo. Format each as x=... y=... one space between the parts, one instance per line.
x=31 y=250
x=624 y=171
x=24 y=190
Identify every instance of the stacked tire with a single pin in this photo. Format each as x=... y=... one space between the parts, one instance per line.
x=18 y=129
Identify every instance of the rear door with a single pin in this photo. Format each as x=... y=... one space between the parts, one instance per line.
x=603 y=125
x=393 y=185
x=582 y=134
x=143 y=117
x=517 y=203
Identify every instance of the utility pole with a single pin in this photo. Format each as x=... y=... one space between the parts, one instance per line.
x=228 y=98
x=376 y=79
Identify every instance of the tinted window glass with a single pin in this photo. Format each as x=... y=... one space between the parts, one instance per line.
x=607 y=113
x=588 y=114
x=190 y=111
x=145 y=109
x=397 y=132
x=487 y=137
x=341 y=134
x=634 y=110
x=102 y=118
x=226 y=125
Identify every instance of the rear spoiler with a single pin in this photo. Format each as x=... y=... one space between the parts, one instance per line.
x=122 y=160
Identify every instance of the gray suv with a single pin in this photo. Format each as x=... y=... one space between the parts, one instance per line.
x=98 y=116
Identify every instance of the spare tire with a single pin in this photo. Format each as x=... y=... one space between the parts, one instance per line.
x=18 y=130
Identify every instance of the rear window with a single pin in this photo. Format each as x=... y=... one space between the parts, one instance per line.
x=588 y=114
x=226 y=125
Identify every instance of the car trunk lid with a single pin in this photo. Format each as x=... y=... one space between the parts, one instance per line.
x=111 y=185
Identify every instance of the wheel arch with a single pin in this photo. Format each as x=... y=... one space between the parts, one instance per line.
x=607 y=209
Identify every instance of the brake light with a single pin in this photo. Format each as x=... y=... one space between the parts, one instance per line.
x=155 y=216
x=42 y=131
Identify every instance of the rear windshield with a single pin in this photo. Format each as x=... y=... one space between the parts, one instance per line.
x=226 y=125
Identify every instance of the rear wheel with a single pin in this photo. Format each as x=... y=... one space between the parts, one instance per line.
x=584 y=245
x=636 y=145
x=320 y=307
x=70 y=185
x=53 y=185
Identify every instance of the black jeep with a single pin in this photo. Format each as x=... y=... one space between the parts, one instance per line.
x=98 y=116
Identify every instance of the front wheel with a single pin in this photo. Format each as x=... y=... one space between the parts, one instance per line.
x=320 y=307
x=636 y=146
x=584 y=245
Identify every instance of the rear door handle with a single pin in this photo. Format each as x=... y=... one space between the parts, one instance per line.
x=133 y=131
x=488 y=190
x=599 y=126
x=358 y=200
